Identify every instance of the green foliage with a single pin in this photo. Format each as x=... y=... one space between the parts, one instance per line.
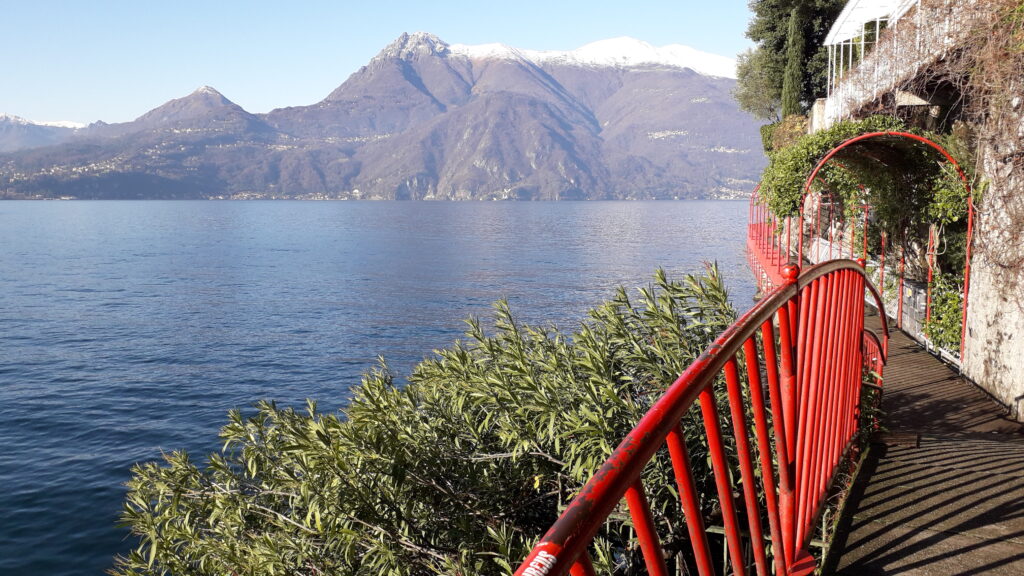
x=948 y=206
x=949 y=197
x=907 y=193
x=757 y=88
x=782 y=183
x=820 y=16
x=767 y=134
x=792 y=79
x=943 y=329
x=457 y=472
x=769 y=29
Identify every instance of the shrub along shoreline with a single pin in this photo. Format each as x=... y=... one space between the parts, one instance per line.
x=459 y=471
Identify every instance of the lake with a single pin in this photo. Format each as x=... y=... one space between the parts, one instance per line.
x=131 y=328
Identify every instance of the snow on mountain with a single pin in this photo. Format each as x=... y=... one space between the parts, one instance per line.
x=616 y=52
x=613 y=119
x=486 y=51
x=17 y=133
x=63 y=124
x=410 y=46
x=12 y=119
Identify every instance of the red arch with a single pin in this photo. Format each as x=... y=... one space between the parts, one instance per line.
x=949 y=158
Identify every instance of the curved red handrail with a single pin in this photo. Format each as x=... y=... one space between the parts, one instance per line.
x=813 y=375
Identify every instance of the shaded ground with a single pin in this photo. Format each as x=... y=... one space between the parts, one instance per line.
x=943 y=491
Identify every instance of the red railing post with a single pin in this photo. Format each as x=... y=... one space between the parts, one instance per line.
x=691 y=506
x=736 y=408
x=800 y=237
x=865 y=231
x=881 y=266
x=646 y=534
x=930 y=260
x=767 y=252
x=583 y=566
x=903 y=267
x=716 y=448
x=831 y=232
x=789 y=239
x=761 y=431
x=967 y=271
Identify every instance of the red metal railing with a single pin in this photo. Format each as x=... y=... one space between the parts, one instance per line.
x=768 y=245
x=794 y=364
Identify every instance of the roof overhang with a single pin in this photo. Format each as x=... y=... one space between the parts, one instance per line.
x=856 y=13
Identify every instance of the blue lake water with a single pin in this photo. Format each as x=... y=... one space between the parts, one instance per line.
x=131 y=328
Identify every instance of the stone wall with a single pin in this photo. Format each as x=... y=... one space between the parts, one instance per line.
x=907 y=48
x=994 y=350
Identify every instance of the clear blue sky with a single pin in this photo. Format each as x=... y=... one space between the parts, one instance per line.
x=84 y=61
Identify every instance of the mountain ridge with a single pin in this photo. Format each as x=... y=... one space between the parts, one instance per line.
x=623 y=51
x=425 y=120
x=17 y=133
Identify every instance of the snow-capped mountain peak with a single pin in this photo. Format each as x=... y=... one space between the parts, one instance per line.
x=411 y=46
x=615 y=52
x=207 y=90
x=64 y=124
x=12 y=119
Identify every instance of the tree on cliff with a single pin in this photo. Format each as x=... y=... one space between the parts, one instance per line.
x=792 y=78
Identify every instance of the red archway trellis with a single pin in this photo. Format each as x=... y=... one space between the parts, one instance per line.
x=773 y=227
x=963 y=177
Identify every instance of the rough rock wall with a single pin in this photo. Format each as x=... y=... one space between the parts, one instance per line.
x=994 y=351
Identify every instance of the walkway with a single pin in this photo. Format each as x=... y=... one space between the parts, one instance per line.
x=943 y=491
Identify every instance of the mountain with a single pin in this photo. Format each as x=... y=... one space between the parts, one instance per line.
x=428 y=120
x=205 y=110
x=191 y=147
x=621 y=52
x=19 y=134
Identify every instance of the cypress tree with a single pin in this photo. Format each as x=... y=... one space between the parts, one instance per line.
x=764 y=69
x=792 y=80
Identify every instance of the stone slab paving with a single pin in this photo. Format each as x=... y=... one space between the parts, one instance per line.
x=943 y=492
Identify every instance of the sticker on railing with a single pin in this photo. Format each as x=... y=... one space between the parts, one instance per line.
x=541 y=564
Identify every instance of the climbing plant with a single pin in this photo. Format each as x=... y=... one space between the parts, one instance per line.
x=913 y=194
x=782 y=183
x=906 y=197
x=944 y=326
